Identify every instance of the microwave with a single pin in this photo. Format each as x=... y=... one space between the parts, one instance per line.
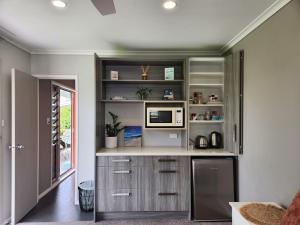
x=163 y=117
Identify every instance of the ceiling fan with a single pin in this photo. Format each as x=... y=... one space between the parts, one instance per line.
x=105 y=7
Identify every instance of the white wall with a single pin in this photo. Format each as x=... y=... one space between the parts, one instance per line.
x=270 y=166
x=84 y=67
x=10 y=57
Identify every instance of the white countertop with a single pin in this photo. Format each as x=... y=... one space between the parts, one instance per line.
x=160 y=151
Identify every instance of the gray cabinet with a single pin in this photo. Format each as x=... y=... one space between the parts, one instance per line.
x=142 y=184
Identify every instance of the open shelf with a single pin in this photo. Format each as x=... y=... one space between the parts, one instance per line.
x=207 y=74
x=206 y=85
x=206 y=121
x=207 y=105
x=140 y=101
x=122 y=101
x=141 y=81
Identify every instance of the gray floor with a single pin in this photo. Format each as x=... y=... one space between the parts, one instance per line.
x=58 y=206
x=132 y=222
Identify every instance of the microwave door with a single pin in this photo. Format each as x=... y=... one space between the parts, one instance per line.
x=161 y=118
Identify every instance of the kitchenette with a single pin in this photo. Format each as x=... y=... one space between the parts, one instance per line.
x=167 y=138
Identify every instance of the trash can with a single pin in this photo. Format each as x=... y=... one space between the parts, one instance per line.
x=86 y=196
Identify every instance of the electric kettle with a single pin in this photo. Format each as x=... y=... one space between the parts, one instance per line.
x=201 y=142
x=215 y=140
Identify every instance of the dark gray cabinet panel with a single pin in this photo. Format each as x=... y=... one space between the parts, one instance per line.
x=117 y=200
x=122 y=177
x=122 y=161
x=143 y=184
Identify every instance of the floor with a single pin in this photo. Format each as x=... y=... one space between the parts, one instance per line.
x=133 y=222
x=58 y=205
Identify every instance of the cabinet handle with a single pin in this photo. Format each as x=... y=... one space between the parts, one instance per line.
x=167 y=171
x=214 y=168
x=121 y=194
x=234 y=132
x=121 y=171
x=120 y=160
x=167 y=160
x=167 y=193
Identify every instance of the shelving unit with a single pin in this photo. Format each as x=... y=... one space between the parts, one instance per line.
x=131 y=109
x=206 y=75
x=141 y=81
x=206 y=121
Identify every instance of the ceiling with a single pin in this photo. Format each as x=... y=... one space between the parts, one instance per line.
x=138 y=25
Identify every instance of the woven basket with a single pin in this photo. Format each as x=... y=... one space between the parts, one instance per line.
x=262 y=214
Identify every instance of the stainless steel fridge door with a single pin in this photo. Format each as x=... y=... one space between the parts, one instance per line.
x=213 y=189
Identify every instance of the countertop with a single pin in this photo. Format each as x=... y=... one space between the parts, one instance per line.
x=160 y=151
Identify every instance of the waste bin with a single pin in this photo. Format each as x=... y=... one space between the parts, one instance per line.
x=86 y=195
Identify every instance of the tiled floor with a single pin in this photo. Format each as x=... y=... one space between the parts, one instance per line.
x=58 y=206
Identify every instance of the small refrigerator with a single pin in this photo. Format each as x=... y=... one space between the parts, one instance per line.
x=213 y=188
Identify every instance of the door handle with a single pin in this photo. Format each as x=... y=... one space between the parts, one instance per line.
x=17 y=147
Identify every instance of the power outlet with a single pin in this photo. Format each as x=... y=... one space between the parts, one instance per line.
x=173 y=136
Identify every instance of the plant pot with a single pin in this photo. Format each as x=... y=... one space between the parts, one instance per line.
x=111 y=142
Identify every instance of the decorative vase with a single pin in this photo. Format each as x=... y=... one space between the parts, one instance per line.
x=111 y=142
x=144 y=76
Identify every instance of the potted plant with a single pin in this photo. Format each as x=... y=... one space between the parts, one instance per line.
x=143 y=93
x=112 y=131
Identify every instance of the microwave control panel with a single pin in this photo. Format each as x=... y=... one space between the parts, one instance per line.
x=179 y=117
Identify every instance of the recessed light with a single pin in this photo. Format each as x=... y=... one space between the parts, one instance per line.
x=169 y=4
x=59 y=3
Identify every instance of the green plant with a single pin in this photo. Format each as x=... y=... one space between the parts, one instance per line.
x=113 y=129
x=143 y=93
x=65 y=118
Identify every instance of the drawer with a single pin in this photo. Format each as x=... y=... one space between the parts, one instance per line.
x=117 y=177
x=171 y=201
x=122 y=161
x=167 y=162
x=122 y=177
x=168 y=180
x=102 y=161
x=117 y=200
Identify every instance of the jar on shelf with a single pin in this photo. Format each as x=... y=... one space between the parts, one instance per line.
x=198 y=98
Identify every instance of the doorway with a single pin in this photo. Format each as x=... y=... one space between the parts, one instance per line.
x=63 y=119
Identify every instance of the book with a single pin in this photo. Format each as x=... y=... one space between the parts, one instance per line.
x=169 y=73
x=133 y=136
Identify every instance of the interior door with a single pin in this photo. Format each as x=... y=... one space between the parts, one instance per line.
x=24 y=146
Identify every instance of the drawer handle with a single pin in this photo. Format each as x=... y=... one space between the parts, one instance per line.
x=122 y=172
x=120 y=160
x=121 y=194
x=167 y=193
x=214 y=168
x=167 y=160
x=167 y=171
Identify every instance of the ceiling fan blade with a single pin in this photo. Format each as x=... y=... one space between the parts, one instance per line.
x=105 y=7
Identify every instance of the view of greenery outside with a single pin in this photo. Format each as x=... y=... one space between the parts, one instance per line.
x=65 y=119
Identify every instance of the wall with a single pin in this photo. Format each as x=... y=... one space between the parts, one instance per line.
x=44 y=135
x=10 y=57
x=45 y=131
x=269 y=168
x=84 y=67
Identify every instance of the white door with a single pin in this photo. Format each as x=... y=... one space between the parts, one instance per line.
x=24 y=144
